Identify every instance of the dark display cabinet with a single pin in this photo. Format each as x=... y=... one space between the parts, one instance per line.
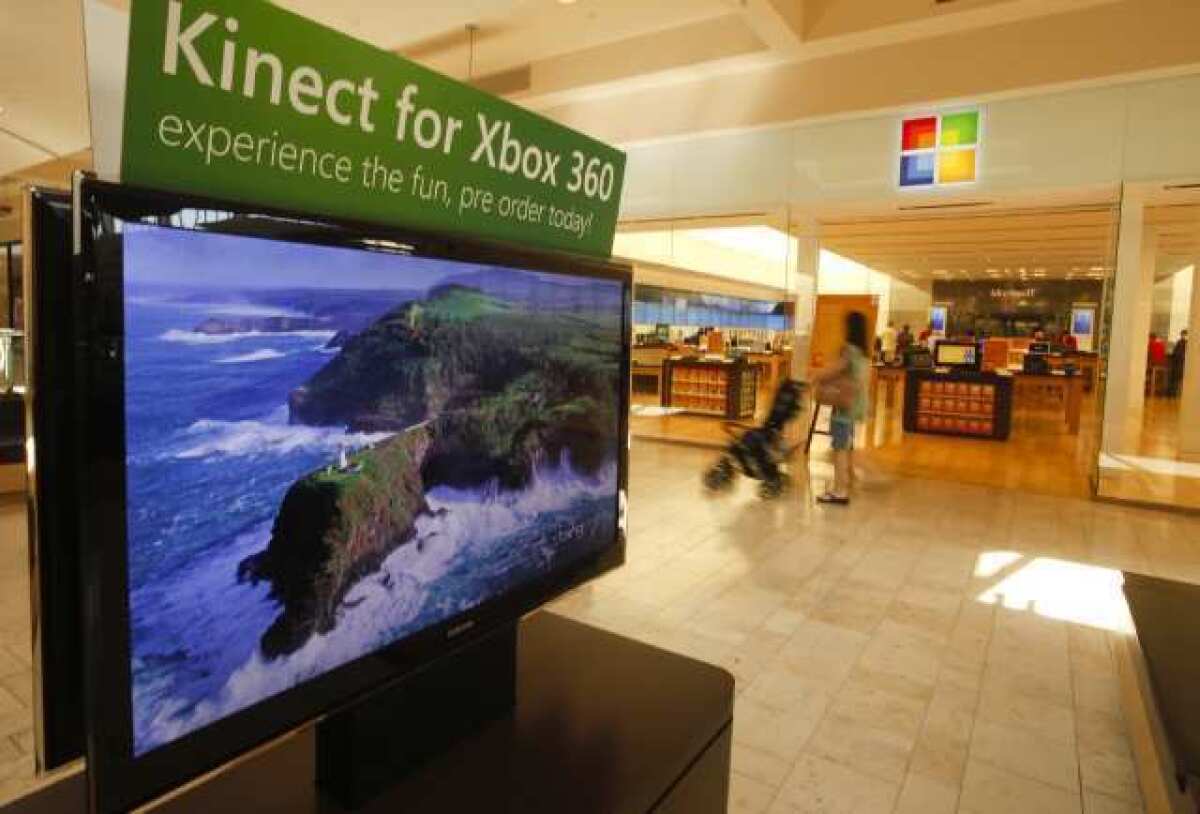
x=964 y=403
x=717 y=388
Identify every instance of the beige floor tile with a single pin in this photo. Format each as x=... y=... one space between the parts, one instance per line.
x=926 y=795
x=1097 y=691
x=945 y=737
x=759 y=765
x=1025 y=753
x=1000 y=704
x=1096 y=803
x=749 y=796
x=881 y=753
x=823 y=652
x=989 y=790
x=820 y=786
x=782 y=733
x=864 y=701
x=1021 y=674
x=1105 y=759
x=856 y=606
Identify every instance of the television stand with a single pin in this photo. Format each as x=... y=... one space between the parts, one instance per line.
x=364 y=748
x=602 y=725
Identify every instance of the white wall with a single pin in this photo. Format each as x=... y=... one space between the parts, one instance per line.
x=1067 y=141
x=1181 y=301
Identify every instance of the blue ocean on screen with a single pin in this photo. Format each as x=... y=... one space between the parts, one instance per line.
x=222 y=333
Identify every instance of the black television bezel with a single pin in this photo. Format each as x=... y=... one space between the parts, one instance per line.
x=55 y=584
x=117 y=779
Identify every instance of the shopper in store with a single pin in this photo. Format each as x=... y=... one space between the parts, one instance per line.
x=1157 y=351
x=888 y=342
x=844 y=386
x=1178 y=360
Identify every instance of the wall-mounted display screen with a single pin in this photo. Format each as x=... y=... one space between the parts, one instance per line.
x=330 y=450
x=654 y=305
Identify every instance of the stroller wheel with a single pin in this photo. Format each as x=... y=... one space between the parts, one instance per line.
x=720 y=476
x=773 y=488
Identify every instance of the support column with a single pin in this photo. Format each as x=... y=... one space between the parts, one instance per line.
x=1133 y=301
x=1189 y=407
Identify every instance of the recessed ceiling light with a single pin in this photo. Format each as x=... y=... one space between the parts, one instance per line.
x=566 y=2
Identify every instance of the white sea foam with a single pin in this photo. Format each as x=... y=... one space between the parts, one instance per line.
x=197 y=338
x=263 y=355
x=380 y=606
x=207 y=437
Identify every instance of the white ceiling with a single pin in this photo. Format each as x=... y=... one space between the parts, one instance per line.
x=1048 y=243
x=42 y=82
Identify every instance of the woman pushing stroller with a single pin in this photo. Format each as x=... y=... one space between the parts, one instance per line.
x=844 y=386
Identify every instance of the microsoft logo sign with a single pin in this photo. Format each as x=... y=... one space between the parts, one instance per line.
x=939 y=150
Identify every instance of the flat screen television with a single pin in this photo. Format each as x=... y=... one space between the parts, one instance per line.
x=960 y=355
x=322 y=454
x=53 y=495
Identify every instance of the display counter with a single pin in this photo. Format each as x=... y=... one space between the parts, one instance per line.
x=12 y=428
x=961 y=403
x=727 y=389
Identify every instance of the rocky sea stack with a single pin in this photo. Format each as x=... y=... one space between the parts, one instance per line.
x=333 y=528
x=477 y=389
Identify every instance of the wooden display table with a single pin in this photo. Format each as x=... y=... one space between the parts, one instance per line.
x=602 y=725
x=1033 y=387
x=1159 y=669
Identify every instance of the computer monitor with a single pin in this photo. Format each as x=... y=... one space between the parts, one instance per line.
x=961 y=355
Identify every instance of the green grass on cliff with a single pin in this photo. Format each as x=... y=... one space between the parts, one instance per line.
x=455 y=304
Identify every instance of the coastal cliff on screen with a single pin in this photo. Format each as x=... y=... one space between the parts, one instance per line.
x=331 y=449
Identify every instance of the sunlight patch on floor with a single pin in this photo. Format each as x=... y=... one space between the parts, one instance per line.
x=1057 y=589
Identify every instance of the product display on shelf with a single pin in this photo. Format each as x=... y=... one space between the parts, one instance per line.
x=727 y=389
x=967 y=404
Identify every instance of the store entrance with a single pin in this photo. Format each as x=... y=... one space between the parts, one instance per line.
x=989 y=350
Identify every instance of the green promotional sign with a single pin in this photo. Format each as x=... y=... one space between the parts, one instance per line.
x=243 y=100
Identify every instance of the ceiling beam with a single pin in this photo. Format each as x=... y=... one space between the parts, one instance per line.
x=778 y=23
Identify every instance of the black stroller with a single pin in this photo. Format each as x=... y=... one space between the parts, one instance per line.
x=758 y=452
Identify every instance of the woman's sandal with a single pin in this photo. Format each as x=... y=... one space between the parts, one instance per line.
x=831 y=498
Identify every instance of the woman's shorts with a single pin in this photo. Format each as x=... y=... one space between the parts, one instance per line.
x=842 y=429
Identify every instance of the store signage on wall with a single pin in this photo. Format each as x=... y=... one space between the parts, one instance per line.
x=1014 y=293
x=244 y=100
x=940 y=150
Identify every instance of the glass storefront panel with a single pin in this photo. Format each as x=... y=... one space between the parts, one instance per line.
x=713 y=328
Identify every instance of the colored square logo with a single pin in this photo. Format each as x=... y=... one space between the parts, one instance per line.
x=920 y=134
x=959 y=129
x=937 y=150
x=956 y=166
x=917 y=170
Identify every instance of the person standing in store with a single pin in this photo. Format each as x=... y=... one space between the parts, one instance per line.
x=844 y=386
x=1157 y=351
x=1178 y=360
x=888 y=341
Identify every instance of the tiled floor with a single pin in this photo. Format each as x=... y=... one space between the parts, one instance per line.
x=16 y=675
x=933 y=648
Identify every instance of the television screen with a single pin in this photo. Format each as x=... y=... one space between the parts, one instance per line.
x=330 y=450
x=53 y=532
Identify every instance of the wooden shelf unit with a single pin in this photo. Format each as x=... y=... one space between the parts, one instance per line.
x=725 y=389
